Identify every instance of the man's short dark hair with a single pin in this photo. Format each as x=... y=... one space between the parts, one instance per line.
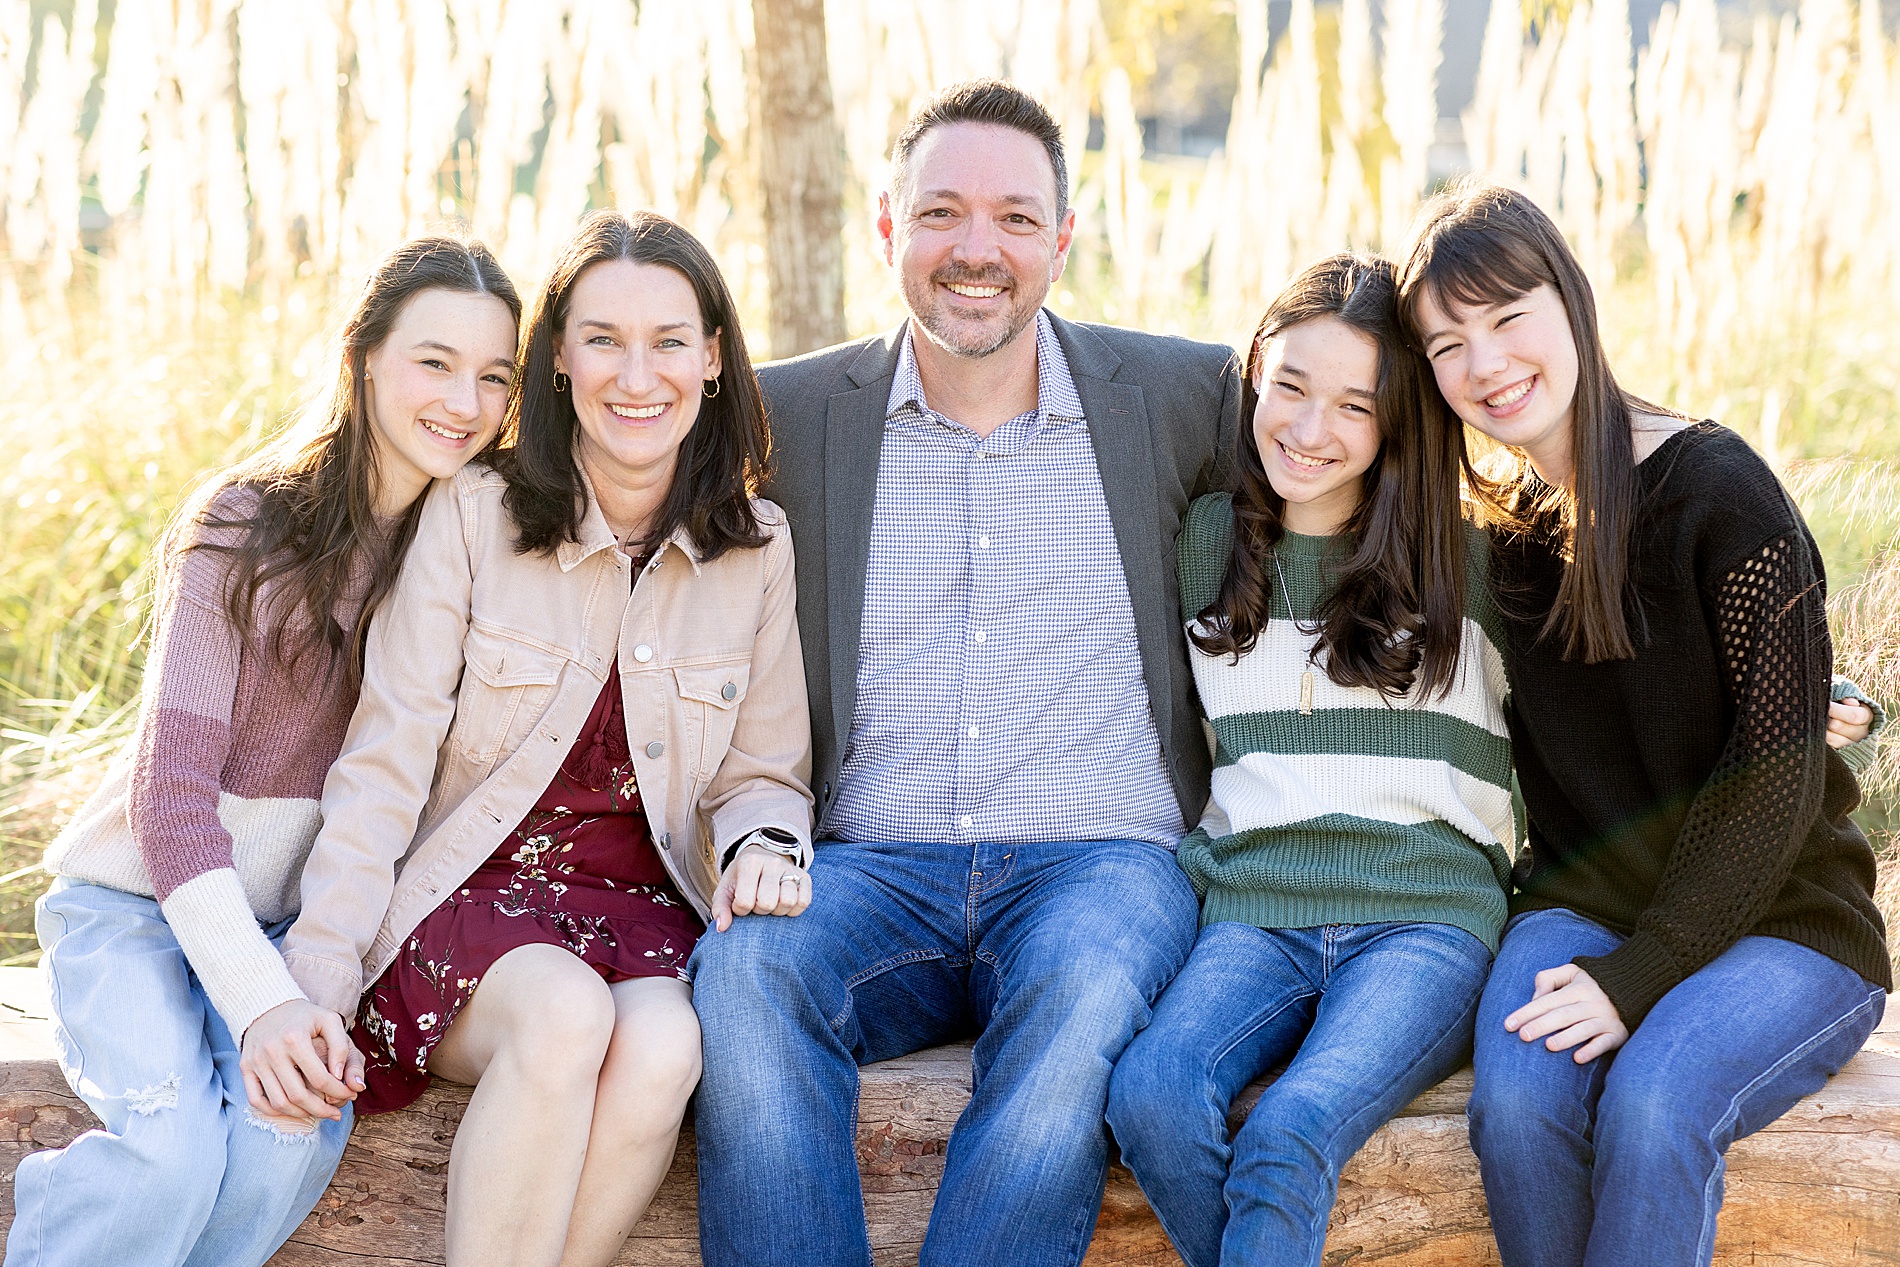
x=998 y=104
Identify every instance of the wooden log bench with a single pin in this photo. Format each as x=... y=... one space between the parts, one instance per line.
x=1819 y=1188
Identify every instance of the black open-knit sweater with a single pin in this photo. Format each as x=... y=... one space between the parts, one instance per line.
x=1687 y=797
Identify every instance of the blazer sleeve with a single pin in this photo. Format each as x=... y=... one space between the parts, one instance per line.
x=375 y=793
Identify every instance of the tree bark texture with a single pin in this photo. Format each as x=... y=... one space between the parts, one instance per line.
x=1820 y=1186
x=801 y=160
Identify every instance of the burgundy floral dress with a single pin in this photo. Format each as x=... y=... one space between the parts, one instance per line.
x=580 y=871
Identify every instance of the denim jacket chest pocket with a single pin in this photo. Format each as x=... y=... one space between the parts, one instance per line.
x=508 y=684
x=710 y=695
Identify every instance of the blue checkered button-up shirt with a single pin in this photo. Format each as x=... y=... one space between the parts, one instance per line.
x=1000 y=692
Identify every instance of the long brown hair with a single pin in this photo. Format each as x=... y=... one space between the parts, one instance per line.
x=1394 y=618
x=721 y=460
x=1479 y=245
x=308 y=522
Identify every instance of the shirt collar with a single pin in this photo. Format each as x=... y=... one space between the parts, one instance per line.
x=596 y=536
x=1056 y=397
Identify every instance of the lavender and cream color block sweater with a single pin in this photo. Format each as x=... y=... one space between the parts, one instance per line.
x=212 y=808
x=1342 y=806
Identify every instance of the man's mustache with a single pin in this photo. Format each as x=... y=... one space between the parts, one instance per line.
x=961 y=276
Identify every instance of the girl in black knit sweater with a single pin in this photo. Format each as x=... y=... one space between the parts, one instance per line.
x=1693 y=945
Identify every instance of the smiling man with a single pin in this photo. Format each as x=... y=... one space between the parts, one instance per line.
x=1006 y=747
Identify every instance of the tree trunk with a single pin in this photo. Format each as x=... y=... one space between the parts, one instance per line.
x=802 y=172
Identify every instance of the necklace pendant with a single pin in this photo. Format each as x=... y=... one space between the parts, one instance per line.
x=1306 y=693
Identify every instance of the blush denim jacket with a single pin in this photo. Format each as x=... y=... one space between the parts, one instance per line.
x=480 y=670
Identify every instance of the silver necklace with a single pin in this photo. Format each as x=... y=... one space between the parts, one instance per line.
x=1306 y=677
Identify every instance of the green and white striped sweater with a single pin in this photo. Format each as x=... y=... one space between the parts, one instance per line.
x=1366 y=810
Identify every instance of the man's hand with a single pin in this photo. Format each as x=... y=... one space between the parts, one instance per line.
x=1848 y=721
x=1570 y=1008
x=299 y=1063
x=760 y=882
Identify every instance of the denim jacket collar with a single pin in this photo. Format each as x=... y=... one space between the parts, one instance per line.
x=596 y=536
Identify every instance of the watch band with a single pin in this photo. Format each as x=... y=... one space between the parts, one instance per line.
x=772 y=839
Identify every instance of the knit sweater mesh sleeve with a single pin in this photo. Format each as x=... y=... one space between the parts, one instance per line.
x=1747 y=824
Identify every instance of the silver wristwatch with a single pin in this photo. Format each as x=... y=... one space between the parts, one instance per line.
x=771 y=839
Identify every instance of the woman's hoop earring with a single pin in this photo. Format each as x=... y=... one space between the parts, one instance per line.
x=715 y=388
x=560 y=381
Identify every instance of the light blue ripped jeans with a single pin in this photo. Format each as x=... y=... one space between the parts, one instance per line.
x=181 y=1174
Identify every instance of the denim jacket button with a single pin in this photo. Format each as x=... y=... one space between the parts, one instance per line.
x=728 y=691
x=643 y=653
x=655 y=748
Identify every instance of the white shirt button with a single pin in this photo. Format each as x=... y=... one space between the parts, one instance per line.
x=643 y=653
x=981 y=636
x=971 y=732
x=964 y=821
x=982 y=543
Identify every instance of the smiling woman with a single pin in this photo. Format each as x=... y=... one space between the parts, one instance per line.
x=434 y=390
x=637 y=363
x=1694 y=944
x=585 y=708
x=181 y=873
x=1354 y=856
x=1316 y=425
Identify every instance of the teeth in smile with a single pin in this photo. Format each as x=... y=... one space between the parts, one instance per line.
x=445 y=432
x=1510 y=397
x=1300 y=459
x=975 y=292
x=644 y=411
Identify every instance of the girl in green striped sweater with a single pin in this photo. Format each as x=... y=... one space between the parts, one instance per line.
x=1355 y=855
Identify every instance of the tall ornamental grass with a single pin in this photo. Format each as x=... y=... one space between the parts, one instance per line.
x=187 y=185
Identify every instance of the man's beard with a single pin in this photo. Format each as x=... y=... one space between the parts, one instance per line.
x=969 y=338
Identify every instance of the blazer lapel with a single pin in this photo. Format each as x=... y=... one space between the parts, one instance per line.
x=1123 y=436
x=854 y=440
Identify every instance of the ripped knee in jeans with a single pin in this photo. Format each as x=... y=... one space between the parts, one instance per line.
x=149 y=1100
x=286 y=1130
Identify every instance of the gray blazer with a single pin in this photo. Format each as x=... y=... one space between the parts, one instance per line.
x=1162 y=414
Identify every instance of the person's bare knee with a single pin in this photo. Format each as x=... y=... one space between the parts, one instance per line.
x=652 y=1062
x=541 y=1008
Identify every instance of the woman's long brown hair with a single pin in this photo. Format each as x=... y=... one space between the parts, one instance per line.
x=311 y=524
x=1479 y=245
x=721 y=460
x=1394 y=618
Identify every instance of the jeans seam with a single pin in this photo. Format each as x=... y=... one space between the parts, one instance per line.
x=1438 y=1041
x=1241 y=1036
x=992 y=880
x=1076 y=1243
x=52 y=984
x=38 y=1230
x=1706 y=1241
x=878 y=969
x=971 y=939
x=857 y=1095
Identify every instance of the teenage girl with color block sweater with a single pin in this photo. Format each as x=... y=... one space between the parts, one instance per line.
x=1356 y=853
x=1694 y=944
x=180 y=876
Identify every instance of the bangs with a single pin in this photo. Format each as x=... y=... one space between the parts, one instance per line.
x=1472 y=261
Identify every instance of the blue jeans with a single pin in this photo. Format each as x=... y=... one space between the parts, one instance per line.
x=1621 y=1160
x=181 y=1173
x=1051 y=953
x=1365 y=1016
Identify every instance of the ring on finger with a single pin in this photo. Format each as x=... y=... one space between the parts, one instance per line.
x=789 y=877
